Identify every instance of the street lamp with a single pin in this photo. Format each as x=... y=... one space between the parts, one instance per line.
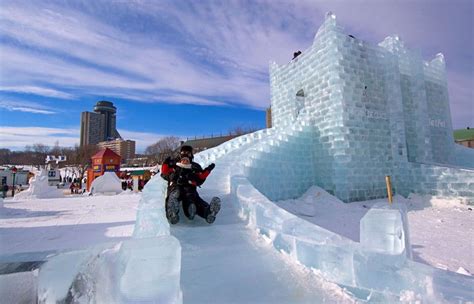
x=14 y=169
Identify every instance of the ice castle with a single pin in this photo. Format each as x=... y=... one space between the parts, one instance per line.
x=360 y=112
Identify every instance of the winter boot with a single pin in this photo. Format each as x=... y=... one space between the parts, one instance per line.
x=214 y=208
x=191 y=211
x=173 y=208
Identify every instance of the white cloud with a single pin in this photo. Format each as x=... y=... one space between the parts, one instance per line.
x=25 y=106
x=133 y=65
x=207 y=53
x=143 y=139
x=37 y=91
x=19 y=137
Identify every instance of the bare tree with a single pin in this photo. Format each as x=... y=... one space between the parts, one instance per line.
x=56 y=150
x=163 y=148
x=82 y=158
x=41 y=148
x=241 y=130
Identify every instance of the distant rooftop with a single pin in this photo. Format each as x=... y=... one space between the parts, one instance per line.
x=207 y=143
x=105 y=152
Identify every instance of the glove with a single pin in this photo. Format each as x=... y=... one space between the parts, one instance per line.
x=170 y=162
x=210 y=167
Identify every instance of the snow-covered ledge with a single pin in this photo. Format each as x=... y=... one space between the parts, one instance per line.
x=378 y=269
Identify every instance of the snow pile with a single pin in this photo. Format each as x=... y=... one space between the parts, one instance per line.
x=39 y=188
x=417 y=201
x=109 y=183
x=311 y=203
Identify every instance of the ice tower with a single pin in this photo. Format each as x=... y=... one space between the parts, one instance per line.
x=368 y=111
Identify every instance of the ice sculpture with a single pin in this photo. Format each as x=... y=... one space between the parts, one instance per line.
x=108 y=183
x=39 y=188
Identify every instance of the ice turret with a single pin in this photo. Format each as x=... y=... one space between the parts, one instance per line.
x=438 y=61
x=330 y=24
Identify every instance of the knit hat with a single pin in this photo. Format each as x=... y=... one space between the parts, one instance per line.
x=186 y=151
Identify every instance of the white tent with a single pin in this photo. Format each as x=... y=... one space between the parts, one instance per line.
x=109 y=183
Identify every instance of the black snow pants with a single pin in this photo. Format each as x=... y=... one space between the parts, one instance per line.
x=188 y=195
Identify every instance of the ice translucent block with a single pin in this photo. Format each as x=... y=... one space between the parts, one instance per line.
x=152 y=270
x=382 y=229
x=58 y=274
x=151 y=215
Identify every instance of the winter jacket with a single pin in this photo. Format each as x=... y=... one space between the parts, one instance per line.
x=177 y=175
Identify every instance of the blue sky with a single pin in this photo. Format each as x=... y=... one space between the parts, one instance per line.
x=191 y=68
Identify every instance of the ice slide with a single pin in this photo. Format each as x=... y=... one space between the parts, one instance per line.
x=224 y=262
x=378 y=269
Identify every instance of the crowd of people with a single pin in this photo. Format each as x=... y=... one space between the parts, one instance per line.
x=77 y=187
x=128 y=184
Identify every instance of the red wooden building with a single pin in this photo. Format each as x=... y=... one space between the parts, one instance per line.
x=105 y=160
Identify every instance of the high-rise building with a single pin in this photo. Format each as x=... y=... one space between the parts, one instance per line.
x=99 y=125
x=124 y=148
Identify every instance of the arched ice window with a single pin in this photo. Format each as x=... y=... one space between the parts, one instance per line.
x=299 y=101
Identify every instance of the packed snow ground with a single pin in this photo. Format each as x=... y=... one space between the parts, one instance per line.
x=72 y=222
x=441 y=232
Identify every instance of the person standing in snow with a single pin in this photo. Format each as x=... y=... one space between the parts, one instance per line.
x=5 y=190
x=184 y=176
